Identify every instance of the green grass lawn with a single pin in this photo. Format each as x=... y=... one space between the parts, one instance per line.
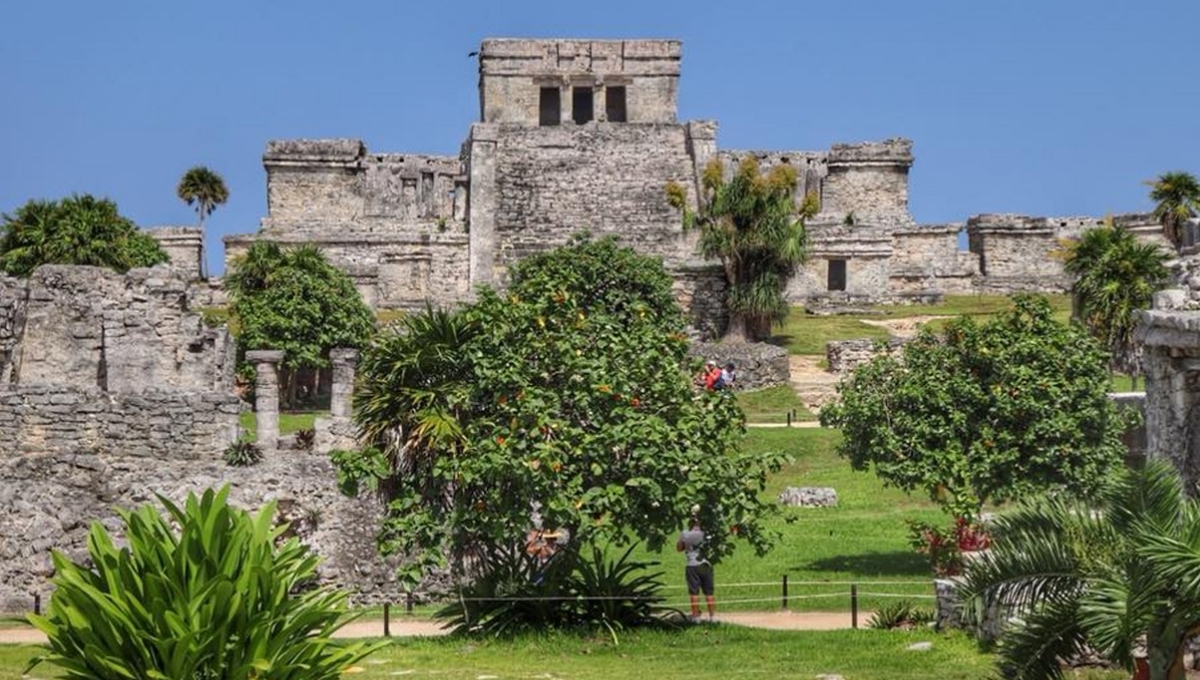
x=804 y=333
x=772 y=405
x=288 y=422
x=863 y=540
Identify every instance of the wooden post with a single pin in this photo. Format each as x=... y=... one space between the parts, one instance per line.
x=785 y=592
x=408 y=602
x=789 y=418
x=387 y=624
x=37 y=604
x=854 y=605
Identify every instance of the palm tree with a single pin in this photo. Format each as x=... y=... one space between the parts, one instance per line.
x=751 y=223
x=1177 y=199
x=1115 y=275
x=203 y=189
x=1113 y=577
x=412 y=398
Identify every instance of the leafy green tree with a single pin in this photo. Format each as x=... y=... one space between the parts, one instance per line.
x=81 y=230
x=984 y=412
x=571 y=399
x=751 y=223
x=294 y=300
x=1177 y=199
x=1111 y=576
x=202 y=189
x=1115 y=276
x=208 y=591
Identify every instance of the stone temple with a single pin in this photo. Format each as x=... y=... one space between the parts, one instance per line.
x=580 y=135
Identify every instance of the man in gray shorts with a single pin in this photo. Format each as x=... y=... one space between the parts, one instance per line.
x=698 y=572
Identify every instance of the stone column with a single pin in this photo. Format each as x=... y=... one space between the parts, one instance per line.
x=344 y=361
x=481 y=206
x=266 y=396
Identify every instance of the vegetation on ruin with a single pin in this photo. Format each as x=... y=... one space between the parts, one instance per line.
x=1115 y=276
x=80 y=229
x=985 y=412
x=1176 y=197
x=296 y=301
x=206 y=591
x=203 y=190
x=751 y=223
x=1112 y=576
x=570 y=393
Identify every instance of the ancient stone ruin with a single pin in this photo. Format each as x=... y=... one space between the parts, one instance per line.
x=580 y=135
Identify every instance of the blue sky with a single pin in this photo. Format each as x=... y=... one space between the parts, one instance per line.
x=1046 y=107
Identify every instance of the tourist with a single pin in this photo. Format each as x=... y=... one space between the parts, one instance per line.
x=711 y=375
x=698 y=571
x=728 y=375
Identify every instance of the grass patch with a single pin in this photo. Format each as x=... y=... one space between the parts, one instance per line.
x=772 y=404
x=718 y=651
x=863 y=540
x=288 y=422
x=805 y=333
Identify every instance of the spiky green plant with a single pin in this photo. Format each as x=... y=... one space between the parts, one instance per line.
x=1176 y=197
x=1111 y=577
x=215 y=598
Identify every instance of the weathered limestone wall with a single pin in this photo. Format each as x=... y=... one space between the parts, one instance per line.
x=811 y=166
x=1171 y=360
x=1019 y=253
x=185 y=247
x=866 y=252
x=867 y=181
x=48 y=500
x=90 y=327
x=152 y=425
x=551 y=183
x=513 y=71
x=927 y=257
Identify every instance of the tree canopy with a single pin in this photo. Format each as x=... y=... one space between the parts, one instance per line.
x=82 y=230
x=294 y=300
x=751 y=223
x=1115 y=276
x=984 y=412
x=570 y=397
x=202 y=189
x=1176 y=196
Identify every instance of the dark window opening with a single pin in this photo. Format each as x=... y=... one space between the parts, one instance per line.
x=549 y=107
x=837 y=275
x=614 y=104
x=581 y=104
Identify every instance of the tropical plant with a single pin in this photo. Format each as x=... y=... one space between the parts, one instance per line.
x=901 y=614
x=984 y=412
x=296 y=301
x=751 y=223
x=515 y=593
x=306 y=438
x=1115 y=576
x=242 y=453
x=1176 y=196
x=202 y=189
x=81 y=230
x=205 y=592
x=544 y=397
x=1115 y=276
x=945 y=548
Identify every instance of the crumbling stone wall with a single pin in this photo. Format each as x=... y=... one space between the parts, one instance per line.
x=89 y=327
x=185 y=247
x=867 y=183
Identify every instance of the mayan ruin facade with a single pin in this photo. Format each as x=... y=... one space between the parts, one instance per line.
x=583 y=135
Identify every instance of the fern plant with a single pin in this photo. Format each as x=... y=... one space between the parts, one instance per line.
x=216 y=599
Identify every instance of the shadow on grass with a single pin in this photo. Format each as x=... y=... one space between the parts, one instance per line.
x=899 y=564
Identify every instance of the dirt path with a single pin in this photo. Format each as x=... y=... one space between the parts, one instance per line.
x=405 y=627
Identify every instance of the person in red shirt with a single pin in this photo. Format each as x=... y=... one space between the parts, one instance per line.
x=711 y=375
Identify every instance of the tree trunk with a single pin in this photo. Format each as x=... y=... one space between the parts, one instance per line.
x=737 y=331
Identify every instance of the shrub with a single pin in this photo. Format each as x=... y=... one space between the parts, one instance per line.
x=215 y=599
x=901 y=614
x=243 y=454
x=517 y=594
x=305 y=439
x=945 y=547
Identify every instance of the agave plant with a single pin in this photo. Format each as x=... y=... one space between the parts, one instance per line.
x=214 y=599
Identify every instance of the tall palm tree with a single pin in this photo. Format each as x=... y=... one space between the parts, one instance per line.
x=203 y=189
x=751 y=223
x=1115 y=275
x=1177 y=199
x=1112 y=577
